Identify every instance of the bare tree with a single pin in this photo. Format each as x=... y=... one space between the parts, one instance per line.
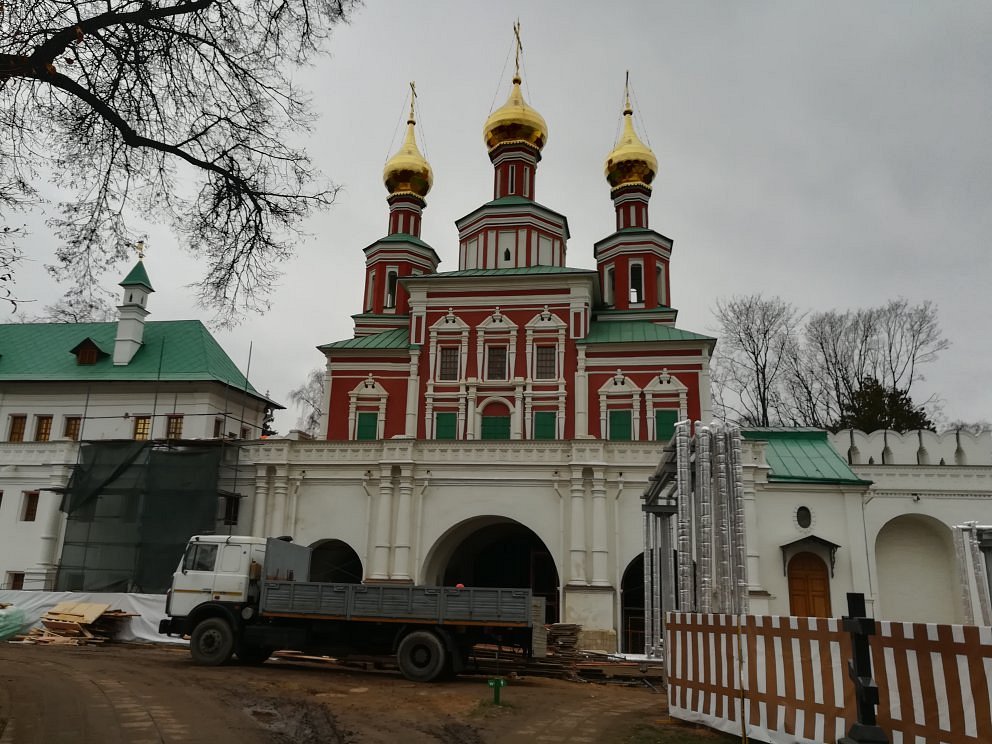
x=309 y=398
x=123 y=102
x=775 y=365
x=756 y=336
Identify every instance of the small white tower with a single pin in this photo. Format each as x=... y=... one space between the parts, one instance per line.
x=131 y=313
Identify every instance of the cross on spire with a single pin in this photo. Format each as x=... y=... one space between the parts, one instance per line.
x=140 y=248
x=520 y=47
x=413 y=98
x=626 y=92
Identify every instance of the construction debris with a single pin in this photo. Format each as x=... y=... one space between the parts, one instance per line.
x=77 y=624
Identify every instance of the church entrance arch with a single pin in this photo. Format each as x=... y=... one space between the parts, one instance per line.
x=914 y=555
x=632 y=607
x=335 y=561
x=809 y=586
x=495 y=552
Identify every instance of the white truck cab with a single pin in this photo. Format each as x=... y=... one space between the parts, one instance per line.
x=214 y=568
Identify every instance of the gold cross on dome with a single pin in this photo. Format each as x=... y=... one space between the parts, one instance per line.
x=520 y=46
x=413 y=97
x=140 y=248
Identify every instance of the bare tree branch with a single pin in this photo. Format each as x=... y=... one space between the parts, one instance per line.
x=122 y=101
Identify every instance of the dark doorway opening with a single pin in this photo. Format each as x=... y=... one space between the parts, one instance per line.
x=506 y=555
x=632 y=607
x=335 y=561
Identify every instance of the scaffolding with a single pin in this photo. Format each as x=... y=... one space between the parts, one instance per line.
x=131 y=506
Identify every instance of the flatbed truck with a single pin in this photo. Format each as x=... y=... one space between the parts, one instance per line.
x=248 y=596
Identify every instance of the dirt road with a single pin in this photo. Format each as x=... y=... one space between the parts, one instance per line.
x=137 y=694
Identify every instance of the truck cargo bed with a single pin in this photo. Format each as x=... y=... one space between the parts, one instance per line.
x=425 y=604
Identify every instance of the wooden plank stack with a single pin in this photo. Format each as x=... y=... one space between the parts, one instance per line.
x=77 y=624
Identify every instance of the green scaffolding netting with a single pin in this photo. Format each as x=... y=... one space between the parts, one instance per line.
x=131 y=506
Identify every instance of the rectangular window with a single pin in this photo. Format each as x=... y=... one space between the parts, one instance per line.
x=42 y=428
x=546 y=367
x=231 y=508
x=29 y=513
x=620 y=426
x=513 y=180
x=449 y=363
x=391 y=279
x=495 y=362
x=174 y=429
x=545 y=425
x=17 y=426
x=218 y=428
x=15 y=580
x=142 y=427
x=636 y=283
x=446 y=426
x=73 y=425
x=495 y=427
x=664 y=424
x=368 y=425
x=611 y=286
x=200 y=557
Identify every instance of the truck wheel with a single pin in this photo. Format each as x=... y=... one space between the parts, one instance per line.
x=212 y=642
x=252 y=655
x=422 y=656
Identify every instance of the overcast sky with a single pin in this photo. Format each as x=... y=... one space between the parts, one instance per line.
x=837 y=155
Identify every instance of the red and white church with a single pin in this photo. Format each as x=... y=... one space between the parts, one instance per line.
x=496 y=424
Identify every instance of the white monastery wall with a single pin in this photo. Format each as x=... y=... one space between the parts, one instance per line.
x=913 y=447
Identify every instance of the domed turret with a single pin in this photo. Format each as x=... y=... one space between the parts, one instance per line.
x=408 y=171
x=515 y=121
x=631 y=160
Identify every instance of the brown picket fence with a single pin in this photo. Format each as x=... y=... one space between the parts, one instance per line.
x=787 y=678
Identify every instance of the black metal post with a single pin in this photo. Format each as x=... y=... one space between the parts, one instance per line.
x=865 y=730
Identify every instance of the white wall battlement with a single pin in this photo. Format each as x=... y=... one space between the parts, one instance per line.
x=913 y=447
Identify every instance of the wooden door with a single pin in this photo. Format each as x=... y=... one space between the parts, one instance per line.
x=809 y=586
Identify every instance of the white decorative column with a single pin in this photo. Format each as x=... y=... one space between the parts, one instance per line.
x=516 y=413
x=581 y=397
x=470 y=413
x=383 y=517
x=258 y=528
x=600 y=550
x=412 y=394
x=401 y=544
x=279 y=488
x=577 y=552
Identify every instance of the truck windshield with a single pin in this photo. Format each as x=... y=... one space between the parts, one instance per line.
x=200 y=557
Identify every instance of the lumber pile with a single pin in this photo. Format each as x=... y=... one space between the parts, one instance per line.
x=77 y=624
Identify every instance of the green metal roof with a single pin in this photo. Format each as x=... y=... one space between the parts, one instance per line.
x=637 y=331
x=402 y=238
x=516 y=201
x=397 y=338
x=137 y=276
x=509 y=271
x=803 y=456
x=43 y=352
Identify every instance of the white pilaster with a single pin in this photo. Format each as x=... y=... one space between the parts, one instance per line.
x=600 y=551
x=383 y=518
x=577 y=552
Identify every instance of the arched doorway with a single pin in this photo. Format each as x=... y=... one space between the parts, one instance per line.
x=632 y=607
x=809 y=586
x=914 y=555
x=335 y=561
x=495 y=552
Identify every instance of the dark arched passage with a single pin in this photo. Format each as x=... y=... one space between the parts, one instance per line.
x=501 y=554
x=632 y=607
x=336 y=561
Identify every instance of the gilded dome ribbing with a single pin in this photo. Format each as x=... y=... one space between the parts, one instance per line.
x=408 y=171
x=631 y=160
x=515 y=121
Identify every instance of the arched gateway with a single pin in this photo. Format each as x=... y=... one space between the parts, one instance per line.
x=335 y=561
x=495 y=552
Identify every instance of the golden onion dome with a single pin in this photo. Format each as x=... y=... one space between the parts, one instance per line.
x=408 y=171
x=515 y=121
x=631 y=160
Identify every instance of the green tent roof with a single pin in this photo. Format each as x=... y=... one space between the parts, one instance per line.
x=137 y=276
x=187 y=350
x=637 y=331
x=397 y=338
x=803 y=456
